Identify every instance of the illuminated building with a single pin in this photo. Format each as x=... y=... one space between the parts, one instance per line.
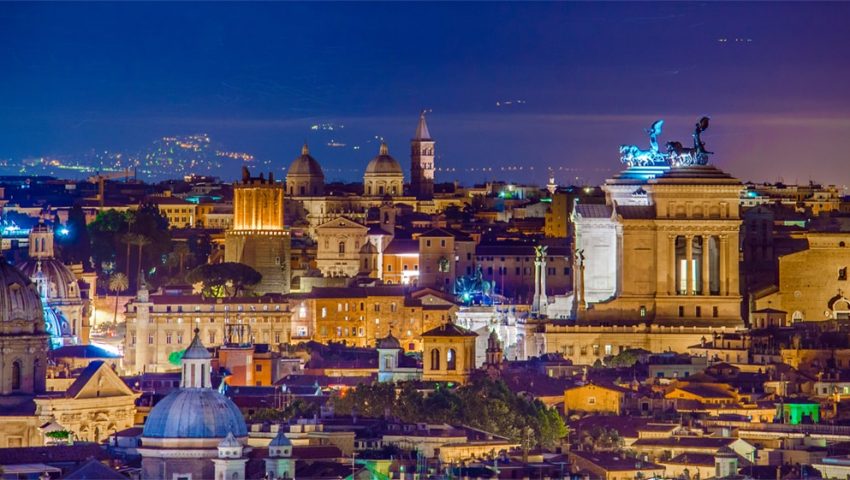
x=160 y=326
x=258 y=237
x=64 y=309
x=24 y=342
x=656 y=266
x=383 y=176
x=195 y=431
x=814 y=282
x=448 y=354
x=179 y=212
x=339 y=243
x=444 y=255
x=422 y=162
x=558 y=216
x=359 y=316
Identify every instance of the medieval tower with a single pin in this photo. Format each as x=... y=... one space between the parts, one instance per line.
x=258 y=237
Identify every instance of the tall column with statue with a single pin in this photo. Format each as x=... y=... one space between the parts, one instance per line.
x=541 y=301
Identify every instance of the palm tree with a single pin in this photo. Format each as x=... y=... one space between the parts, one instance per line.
x=181 y=249
x=127 y=239
x=140 y=241
x=118 y=283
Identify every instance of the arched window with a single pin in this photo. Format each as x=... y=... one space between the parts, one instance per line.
x=16 y=375
x=451 y=360
x=797 y=316
x=435 y=359
x=341 y=248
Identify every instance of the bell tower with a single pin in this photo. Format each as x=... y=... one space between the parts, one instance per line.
x=422 y=162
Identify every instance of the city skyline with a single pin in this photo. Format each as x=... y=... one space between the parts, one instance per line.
x=264 y=78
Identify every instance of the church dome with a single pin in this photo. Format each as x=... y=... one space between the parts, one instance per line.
x=384 y=164
x=62 y=284
x=389 y=343
x=195 y=413
x=305 y=165
x=20 y=305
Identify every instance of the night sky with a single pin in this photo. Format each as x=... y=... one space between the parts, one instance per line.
x=591 y=76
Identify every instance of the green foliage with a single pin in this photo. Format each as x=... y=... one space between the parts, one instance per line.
x=113 y=233
x=59 y=434
x=224 y=279
x=626 y=358
x=296 y=409
x=176 y=357
x=484 y=404
x=600 y=438
x=75 y=247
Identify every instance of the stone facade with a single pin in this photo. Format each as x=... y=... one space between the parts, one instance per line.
x=448 y=354
x=422 y=162
x=258 y=237
x=663 y=250
x=814 y=283
x=339 y=243
x=159 y=325
x=443 y=257
x=360 y=316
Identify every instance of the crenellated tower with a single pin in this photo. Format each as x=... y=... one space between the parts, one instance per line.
x=258 y=237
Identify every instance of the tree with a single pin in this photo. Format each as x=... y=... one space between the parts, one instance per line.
x=118 y=282
x=485 y=404
x=106 y=233
x=224 y=279
x=76 y=243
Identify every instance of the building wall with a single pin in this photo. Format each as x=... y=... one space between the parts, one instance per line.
x=156 y=330
x=464 y=350
x=338 y=252
x=810 y=278
x=557 y=216
x=593 y=398
x=360 y=321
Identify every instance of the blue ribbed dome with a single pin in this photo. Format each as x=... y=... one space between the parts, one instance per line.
x=195 y=413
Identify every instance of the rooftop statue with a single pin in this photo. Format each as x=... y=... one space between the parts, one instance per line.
x=473 y=289
x=682 y=156
x=633 y=156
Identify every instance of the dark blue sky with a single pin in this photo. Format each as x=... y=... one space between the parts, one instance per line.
x=593 y=75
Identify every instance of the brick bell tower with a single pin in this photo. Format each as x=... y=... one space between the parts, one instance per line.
x=422 y=162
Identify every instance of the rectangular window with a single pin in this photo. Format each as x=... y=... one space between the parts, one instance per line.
x=842 y=273
x=427 y=243
x=150 y=339
x=642 y=311
x=596 y=350
x=324 y=312
x=698 y=311
x=168 y=338
x=258 y=367
x=681 y=311
x=608 y=350
x=714 y=311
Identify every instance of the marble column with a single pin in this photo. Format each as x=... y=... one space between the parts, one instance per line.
x=689 y=254
x=706 y=278
x=724 y=259
x=671 y=277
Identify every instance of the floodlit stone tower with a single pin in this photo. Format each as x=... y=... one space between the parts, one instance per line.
x=258 y=237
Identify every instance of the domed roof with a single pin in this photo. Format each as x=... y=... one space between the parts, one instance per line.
x=197 y=350
x=389 y=343
x=20 y=305
x=384 y=164
x=194 y=413
x=59 y=277
x=369 y=248
x=305 y=165
x=280 y=440
x=229 y=441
